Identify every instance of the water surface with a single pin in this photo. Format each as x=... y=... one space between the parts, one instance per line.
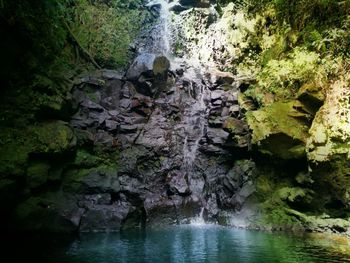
x=181 y=244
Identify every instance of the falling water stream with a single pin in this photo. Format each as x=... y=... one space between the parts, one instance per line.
x=195 y=110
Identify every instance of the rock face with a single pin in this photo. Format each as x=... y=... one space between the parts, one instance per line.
x=279 y=130
x=169 y=150
x=168 y=140
x=153 y=147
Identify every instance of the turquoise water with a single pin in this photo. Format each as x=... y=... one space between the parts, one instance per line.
x=182 y=244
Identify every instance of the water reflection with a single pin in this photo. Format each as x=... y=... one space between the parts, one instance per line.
x=182 y=244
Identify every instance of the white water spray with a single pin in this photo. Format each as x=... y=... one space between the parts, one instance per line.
x=161 y=33
x=194 y=120
x=199 y=220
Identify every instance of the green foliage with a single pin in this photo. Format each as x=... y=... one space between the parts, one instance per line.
x=106 y=30
x=289 y=74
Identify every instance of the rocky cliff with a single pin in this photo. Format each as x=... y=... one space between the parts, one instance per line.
x=202 y=121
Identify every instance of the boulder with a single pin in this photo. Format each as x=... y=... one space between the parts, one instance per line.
x=177 y=184
x=216 y=95
x=217 y=136
x=52 y=138
x=161 y=65
x=235 y=126
x=92 y=181
x=177 y=8
x=142 y=64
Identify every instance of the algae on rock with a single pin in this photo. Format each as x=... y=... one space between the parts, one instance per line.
x=277 y=132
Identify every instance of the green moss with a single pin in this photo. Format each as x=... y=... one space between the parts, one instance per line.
x=277 y=132
x=103 y=178
x=52 y=137
x=46 y=138
x=292 y=194
x=85 y=159
x=73 y=179
x=37 y=174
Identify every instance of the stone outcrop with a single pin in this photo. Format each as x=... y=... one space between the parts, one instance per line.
x=278 y=130
x=150 y=146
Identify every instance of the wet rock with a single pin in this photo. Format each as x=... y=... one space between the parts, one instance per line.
x=162 y=210
x=231 y=98
x=92 y=106
x=177 y=8
x=217 y=102
x=125 y=104
x=55 y=213
x=98 y=181
x=91 y=80
x=161 y=65
x=216 y=121
x=245 y=192
x=217 y=136
x=177 y=184
x=216 y=95
x=127 y=91
x=225 y=112
x=180 y=71
x=220 y=78
x=125 y=128
x=111 y=126
x=235 y=126
x=235 y=110
x=145 y=86
x=131 y=157
x=101 y=218
x=112 y=74
x=142 y=64
x=104 y=139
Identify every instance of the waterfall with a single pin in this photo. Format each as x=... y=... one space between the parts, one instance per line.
x=194 y=94
x=194 y=121
x=161 y=33
x=194 y=126
x=199 y=220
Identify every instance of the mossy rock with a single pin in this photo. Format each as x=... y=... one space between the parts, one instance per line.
x=312 y=96
x=161 y=65
x=52 y=138
x=330 y=130
x=49 y=138
x=37 y=174
x=277 y=132
x=102 y=179
x=85 y=159
x=333 y=177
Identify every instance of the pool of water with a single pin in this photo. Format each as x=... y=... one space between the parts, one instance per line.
x=178 y=244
